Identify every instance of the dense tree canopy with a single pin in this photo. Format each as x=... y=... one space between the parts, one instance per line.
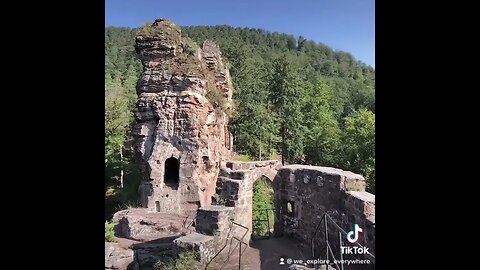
x=294 y=97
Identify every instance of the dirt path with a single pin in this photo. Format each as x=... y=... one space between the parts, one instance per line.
x=266 y=254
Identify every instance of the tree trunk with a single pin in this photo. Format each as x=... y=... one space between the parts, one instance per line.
x=260 y=150
x=283 y=144
x=121 y=170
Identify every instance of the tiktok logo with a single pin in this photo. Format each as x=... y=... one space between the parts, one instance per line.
x=353 y=236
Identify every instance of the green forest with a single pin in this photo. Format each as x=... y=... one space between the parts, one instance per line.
x=295 y=100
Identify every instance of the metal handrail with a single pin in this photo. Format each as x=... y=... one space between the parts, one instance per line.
x=240 y=242
x=226 y=242
x=267 y=220
x=325 y=218
x=185 y=223
x=344 y=232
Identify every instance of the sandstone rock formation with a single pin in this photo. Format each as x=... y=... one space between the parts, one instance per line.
x=141 y=225
x=118 y=257
x=182 y=136
x=128 y=254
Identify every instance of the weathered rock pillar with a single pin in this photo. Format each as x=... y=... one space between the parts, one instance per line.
x=182 y=136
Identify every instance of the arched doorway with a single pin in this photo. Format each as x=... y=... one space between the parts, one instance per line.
x=263 y=214
x=172 y=173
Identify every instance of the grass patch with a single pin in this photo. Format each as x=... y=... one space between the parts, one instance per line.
x=275 y=156
x=245 y=158
x=127 y=205
x=188 y=261
x=184 y=261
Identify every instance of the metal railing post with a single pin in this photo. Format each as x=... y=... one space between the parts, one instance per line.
x=341 y=254
x=326 y=236
x=268 y=223
x=313 y=248
x=240 y=256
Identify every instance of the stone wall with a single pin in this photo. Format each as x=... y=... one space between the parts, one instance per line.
x=182 y=137
x=304 y=193
x=235 y=188
x=214 y=220
x=360 y=209
x=231 y=212
x=213 y=231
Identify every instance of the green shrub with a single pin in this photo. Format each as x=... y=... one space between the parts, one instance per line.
x=221 y=201
x=370 y=177
x=185 y=261
x=216 y=98
x=262 y=199
x=109 y=232
x=190 y=46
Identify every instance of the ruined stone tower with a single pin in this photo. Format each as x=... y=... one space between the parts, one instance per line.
x=182 y=136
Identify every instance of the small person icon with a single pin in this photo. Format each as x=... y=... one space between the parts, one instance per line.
x=281 y=261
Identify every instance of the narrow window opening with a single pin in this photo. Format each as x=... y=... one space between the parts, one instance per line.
x=172 y=170
x=290 y=208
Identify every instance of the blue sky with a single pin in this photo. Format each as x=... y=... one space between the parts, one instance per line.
x=346 y=25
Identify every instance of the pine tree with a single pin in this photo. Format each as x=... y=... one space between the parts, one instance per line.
x=286 y=96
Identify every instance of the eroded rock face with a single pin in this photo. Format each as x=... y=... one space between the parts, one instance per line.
x=182 y=135
x=140 y=225
x=118 y=257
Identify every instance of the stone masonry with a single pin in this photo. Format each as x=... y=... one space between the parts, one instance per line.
x=304 y=193
x=235 y=187
x=231 y=214
x=213 y=231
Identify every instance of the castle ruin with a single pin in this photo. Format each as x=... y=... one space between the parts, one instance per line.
x=193 y=196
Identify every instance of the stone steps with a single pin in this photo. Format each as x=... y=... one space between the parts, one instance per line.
x=213 y=220
x=212 y=226
x=193 y=239
x=202 y=244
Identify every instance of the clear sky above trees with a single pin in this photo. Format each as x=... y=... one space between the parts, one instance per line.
x=346 y=25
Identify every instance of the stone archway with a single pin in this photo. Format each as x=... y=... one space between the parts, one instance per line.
x=263 y=208
x=235 y=187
